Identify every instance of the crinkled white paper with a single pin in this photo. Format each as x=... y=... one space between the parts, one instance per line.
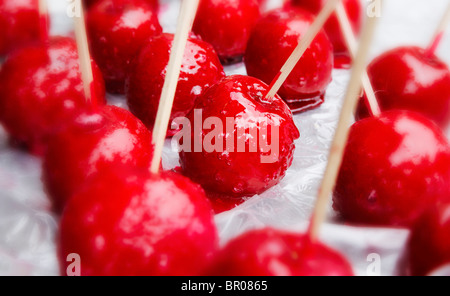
x=28 y=228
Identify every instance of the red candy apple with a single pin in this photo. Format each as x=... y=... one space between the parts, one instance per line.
x=274 y=253
x=200 y=69
x=394 y=167
x=226 y=24
x=429 y=244
x=262 y=4
x=94 y=142
x=117 y=30
x=41 y=88
x=19 y=23
x=409 y=78
x=128 y=222
x=273 y=40
x=239 y=144
x=354 y=11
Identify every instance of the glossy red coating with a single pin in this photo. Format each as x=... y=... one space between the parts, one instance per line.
x=238 y=172
x=394 y=167
x=117 y=30
x=269 y=252
x=409 y=78
x=354 y=9
x=41 y=88
x=19 y=23
x=429 y=244
x=126 y=222
x=96 y=141
x=273 y=40
x=226 y=24
x=262 y=3
x=153 y=3
x=200 y=69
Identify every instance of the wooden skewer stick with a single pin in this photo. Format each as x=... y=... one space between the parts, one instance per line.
x=439 y=33
x=303 y=45
x=352 y=45
x=43 y=21
x=84 y=56
x=341 y=136
x=188 y=11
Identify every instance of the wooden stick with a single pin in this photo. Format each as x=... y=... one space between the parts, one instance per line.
x=302 y=46
x=352 y=46
x=439 y=33
x=43 y=21
x=188 y=11
x=341 y=136
x=84 y=55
